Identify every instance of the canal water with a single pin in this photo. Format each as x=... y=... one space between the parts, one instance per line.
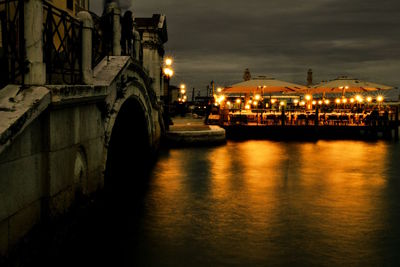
x=251 y=203
x=265 y=203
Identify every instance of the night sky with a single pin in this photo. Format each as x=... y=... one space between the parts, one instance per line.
x=216 y=40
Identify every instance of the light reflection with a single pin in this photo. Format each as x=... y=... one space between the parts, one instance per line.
x=325 y=192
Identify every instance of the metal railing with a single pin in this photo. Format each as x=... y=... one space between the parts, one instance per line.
x=62 y=46
x=12 y=42
x=102 y=37
x=265 y=117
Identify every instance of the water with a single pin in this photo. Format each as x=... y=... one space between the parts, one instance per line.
x=252 y=203
x=264 y=203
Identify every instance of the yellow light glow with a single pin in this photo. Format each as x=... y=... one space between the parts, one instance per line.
x=247 y=107
x=314 y=102
x=168 y=72
x=238 y=101
x=308 y=97
x=351 y=100
x=344 y=100
x=320 y=102
x=266 y=105
x=219 y=89
x=184 y=97
x=327 y=101
x=337 y=101
x=228 y=103
x=168 y=61
x=302 y=103
x=379 y=98
x=255 y=103
x=273 y=101
x=183 y=91
x=179 y=99
x=358 y=98
x=249 y=102
x=296 y=101
x=369 y=99
x=282 y=103
x=183 y=86
x=257 y=97
x=346 y=87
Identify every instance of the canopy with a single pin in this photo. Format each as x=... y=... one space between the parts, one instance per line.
x=263 y=85
x=344 y=84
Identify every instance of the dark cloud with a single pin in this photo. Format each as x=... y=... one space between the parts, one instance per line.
x=217 y=40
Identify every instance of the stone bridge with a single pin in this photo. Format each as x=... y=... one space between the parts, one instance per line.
x=61 y=143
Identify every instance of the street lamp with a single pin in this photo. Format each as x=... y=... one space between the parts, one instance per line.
x=168 y=61
x=183 y=90
x=168 y=73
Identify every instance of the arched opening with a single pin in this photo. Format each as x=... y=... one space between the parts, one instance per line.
x=129 y=150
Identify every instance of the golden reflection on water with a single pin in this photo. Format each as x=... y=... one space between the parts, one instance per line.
x=251 y=196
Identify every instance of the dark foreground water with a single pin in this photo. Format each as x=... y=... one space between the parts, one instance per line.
x=254 y=203
x=264 y=203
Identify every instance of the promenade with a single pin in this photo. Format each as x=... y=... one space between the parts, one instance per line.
x=191 y=131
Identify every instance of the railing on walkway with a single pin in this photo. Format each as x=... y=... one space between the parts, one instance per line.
x=102 y=37
x=264 y=117
x=12 y=44
x=62 y=46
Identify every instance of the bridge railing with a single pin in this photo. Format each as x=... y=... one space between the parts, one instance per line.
x=12 y=45
x=62 y=46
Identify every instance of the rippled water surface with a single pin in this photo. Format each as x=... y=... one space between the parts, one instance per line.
x=265 y=203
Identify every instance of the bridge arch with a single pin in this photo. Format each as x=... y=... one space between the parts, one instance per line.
x=129 y=140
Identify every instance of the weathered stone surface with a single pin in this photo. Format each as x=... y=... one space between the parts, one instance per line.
x=60 y=144
x=21 y=222
x=61 y=202
x=3 y=237
x=21 y=182
x=22 y=109
x=28 y=143
x=61 y=169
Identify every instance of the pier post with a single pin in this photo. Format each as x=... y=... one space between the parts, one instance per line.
x=33 y=28
x=116 y=11
x=87 y=21
x=316 y=119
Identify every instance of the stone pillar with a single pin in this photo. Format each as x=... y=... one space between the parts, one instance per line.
x=87 y=72
x=113 y=7
x=33 y=27
x=136 y=44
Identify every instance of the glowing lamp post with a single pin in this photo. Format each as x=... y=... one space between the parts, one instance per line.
x=168 y=73
x=379 y=99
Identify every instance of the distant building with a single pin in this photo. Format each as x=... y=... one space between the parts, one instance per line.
x=153 y=32
x=309 y=77
x=246 y=75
